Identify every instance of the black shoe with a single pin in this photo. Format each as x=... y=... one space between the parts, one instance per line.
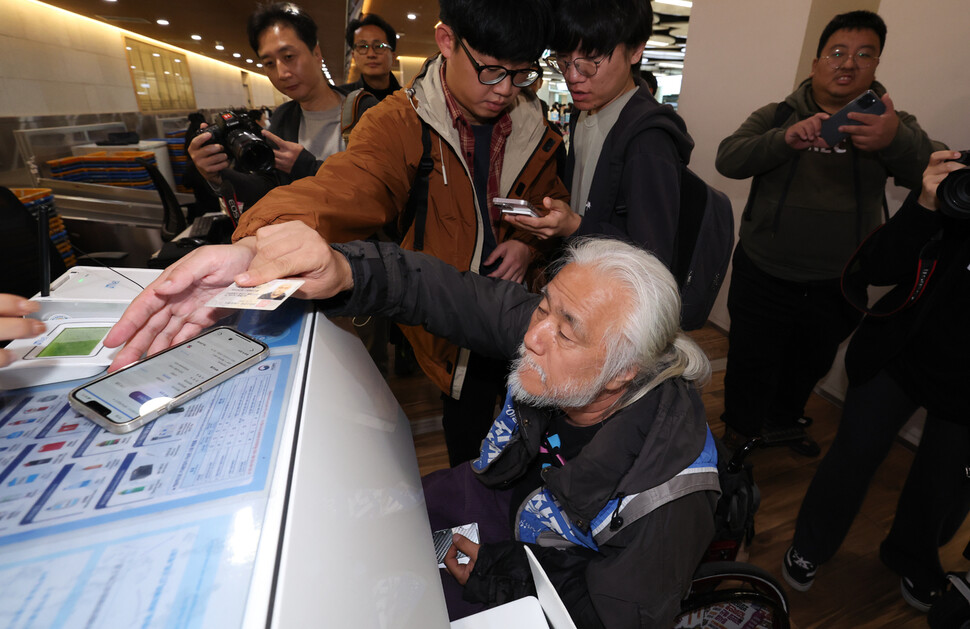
x=919 y=596
x=798 y=571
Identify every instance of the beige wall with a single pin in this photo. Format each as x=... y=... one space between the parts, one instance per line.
x=744 y=54
x=53 y=62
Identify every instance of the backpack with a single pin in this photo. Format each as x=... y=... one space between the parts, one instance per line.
x=702 y=249
x=355 y=104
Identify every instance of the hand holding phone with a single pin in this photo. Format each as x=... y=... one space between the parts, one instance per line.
x=866 y=103
x=129 y=398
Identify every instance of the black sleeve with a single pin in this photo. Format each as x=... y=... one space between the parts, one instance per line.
x=486 y=315
x=890 y=254
x=306 y=165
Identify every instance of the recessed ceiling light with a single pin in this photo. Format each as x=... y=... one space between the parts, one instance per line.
x=220 y=47
x=249 y=60
x=197 y=37
x=155 y=54
x=162 y=22
x=236 y=55
x=259 y=65
x=178 y=61
x=412 y=16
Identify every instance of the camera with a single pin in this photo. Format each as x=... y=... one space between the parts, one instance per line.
x=954 y=191
x=243 y=141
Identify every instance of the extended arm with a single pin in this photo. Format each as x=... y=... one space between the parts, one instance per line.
x=756 y=147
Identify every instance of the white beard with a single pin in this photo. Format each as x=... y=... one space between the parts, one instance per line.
x=574 y=393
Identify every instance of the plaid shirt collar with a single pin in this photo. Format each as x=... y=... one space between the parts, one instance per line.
x=500 y=132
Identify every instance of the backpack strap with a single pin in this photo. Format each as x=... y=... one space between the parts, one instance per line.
x=353 y=107
x=416 y=209
x=782 y=112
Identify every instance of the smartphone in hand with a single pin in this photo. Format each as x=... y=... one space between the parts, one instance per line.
x=866 y=103
x=518 y=207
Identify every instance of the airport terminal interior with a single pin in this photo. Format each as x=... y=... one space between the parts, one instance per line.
x=96 y=98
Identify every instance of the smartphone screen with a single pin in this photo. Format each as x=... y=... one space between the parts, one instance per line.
x=146 y=386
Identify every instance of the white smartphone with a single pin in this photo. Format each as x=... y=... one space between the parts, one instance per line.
x=866 y=103
x=129 y=398
x=515 y=206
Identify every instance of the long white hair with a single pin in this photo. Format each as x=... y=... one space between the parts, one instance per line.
x=649 y=338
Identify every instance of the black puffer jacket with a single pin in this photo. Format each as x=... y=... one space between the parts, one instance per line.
x=639 y=576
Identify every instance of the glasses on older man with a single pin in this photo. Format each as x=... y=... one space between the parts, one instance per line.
x=362 y=48
x=838 y=58
x=490 y=75
x=584 y=65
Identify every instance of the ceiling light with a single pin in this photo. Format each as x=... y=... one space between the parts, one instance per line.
x=249 y=60
x=259 y=65
x=155 y=54
x=236 y=55
x=178 y=61
x=162 y=22
x=412 y=16
x=219 y=46
x=197 y=37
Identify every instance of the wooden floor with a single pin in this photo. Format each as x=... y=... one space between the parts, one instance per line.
x=852 y=590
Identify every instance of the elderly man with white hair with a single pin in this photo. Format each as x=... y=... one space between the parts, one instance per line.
x=600 y=460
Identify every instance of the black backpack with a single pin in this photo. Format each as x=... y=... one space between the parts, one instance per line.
x=703 y=246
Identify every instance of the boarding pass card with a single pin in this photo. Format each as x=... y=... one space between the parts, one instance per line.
x=442 y=541
x=266 y=296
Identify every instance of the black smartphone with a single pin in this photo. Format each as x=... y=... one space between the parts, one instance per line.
x=129 y=398
x=866 y=103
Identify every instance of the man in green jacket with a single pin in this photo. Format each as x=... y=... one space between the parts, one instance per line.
x=810 y=206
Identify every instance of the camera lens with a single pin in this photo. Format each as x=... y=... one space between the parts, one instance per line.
x=250 y=151
x=954 y=194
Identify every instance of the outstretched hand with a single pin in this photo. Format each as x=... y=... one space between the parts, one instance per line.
x=173 y=307
x=295 y=250
x=13 y=325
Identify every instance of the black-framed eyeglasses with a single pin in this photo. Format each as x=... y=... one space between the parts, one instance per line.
x=490 y=75
x=362 y=47
x=838 y=58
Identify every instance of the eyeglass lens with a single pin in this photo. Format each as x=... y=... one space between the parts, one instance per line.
x=586 y=67
x=839 y=58
x=364 y=47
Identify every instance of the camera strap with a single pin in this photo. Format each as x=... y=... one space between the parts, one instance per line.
x=855 y=282
x=227 y=193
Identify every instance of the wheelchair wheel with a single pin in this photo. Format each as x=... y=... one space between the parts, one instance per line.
x=733 y=594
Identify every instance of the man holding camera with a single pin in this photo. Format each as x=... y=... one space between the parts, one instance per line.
x=914 y=354
x=810 y=206
x=305 y=130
